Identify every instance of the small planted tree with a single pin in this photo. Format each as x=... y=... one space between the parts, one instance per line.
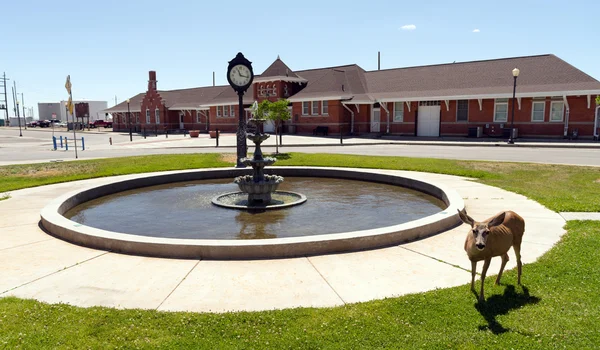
x=278 y=113
x=598 y=100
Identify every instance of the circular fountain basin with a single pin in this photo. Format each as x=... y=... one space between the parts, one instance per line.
x=352 y=237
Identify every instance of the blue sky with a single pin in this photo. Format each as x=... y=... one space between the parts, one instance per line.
x=108 y=47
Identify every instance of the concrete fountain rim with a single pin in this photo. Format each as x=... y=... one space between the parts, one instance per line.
x=56 y=224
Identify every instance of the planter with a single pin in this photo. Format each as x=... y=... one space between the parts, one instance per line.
x=213 y=134
x=194 y=133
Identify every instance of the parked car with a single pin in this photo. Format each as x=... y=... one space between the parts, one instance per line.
x=101 y=123
x=44 y=123
x=33 y=124
x=61 y=125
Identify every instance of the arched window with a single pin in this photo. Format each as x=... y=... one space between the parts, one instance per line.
x=269 y=91
x=261 y=90
x=274 y=90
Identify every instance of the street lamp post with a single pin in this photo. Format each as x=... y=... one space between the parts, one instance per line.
x=129 y=121
x=19 y=119
x=515 y=73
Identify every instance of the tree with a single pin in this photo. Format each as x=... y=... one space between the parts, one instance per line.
x=598 y=100
x=278 y=113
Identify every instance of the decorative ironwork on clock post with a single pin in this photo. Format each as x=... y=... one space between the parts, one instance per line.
x=240 y=76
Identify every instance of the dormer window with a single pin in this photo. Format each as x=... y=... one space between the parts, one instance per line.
x=261 y=90
x=274 y=90
x=285 y=91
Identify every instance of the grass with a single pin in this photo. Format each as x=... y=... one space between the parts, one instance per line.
x=558 y=307
x=558 y=187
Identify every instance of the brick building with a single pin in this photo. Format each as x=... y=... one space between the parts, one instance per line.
x=553 y=99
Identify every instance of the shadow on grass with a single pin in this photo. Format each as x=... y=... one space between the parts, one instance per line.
x=281 y=156
x=501 y=305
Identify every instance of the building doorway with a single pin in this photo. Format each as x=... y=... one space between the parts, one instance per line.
x=181 y=125
x=429 y=121
x=376 y=119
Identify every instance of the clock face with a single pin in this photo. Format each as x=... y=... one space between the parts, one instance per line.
x=240 y=75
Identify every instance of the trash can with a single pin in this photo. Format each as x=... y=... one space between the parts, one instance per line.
x=472 y=132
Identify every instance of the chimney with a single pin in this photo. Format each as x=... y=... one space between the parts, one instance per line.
x=378 y=60
x=151 y=80
x=213 y=78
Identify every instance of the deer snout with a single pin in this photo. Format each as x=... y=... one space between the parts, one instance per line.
x=480 y=246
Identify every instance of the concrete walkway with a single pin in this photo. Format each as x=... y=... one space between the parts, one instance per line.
x=36 y=265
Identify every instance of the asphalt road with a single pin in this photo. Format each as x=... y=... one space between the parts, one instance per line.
x=36 y=145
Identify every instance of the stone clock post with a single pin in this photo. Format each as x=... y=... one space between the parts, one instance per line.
x=240 y=77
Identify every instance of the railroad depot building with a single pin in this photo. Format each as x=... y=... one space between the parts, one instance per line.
x=553 y=99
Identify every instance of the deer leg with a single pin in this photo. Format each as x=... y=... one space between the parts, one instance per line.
x=486 y=265
x=473 y=273
x=504 y=261
x=517 y=249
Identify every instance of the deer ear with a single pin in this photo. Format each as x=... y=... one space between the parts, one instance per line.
x=497 y=220
x=466 y=218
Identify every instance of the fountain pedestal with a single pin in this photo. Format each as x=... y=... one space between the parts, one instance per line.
x=258 y=186
x=257 y=189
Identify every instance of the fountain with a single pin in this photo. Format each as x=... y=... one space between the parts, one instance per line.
x=258 y=189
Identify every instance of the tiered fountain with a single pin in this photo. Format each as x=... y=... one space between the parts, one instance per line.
x=259 y=191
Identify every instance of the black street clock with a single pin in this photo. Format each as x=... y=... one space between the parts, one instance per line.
x=240 y=74
x=240 y=77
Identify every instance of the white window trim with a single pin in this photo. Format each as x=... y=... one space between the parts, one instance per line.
x=496 y=103
x=323 y=110
x=147 y=115
x=157 y=116
x=218 y=111
x=225 y=111
x=307 y=108
x=232 y=111
x=394 y=112
x=198 y=117
x=562 y=112
x=312 y=107
x=466 y=121
x=543 y=111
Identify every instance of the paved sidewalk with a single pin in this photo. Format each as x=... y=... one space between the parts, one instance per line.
x=580 y=216
x=36 y=265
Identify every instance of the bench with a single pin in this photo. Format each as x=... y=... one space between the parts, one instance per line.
x=321 y=130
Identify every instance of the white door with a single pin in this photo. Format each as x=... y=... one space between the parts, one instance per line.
x=375 y=120
x=181 y=121
x=428 y=123
x=597 y=122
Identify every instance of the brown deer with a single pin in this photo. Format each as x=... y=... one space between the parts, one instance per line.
x=490 y=238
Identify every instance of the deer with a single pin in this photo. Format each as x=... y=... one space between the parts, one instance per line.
x=490 y=238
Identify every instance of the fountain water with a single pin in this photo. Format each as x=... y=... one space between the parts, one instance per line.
x=258 y=188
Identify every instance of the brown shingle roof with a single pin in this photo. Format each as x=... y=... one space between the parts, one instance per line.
x=543 y=73
x=191 y=98
x=342 y=82
x=490 y=78
x=278 y=71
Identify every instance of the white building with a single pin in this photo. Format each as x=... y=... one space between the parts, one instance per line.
x=57 y=110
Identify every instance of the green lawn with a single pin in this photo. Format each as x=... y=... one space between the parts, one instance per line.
x=558 y=306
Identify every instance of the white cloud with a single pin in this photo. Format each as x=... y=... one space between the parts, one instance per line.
x=409 y=27
x=476 y=30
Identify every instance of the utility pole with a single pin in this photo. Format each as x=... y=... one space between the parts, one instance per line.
x=17 y=108
x=4 y=102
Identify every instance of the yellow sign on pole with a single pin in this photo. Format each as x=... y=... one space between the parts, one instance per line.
x=70 y=105
x=68 y=84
